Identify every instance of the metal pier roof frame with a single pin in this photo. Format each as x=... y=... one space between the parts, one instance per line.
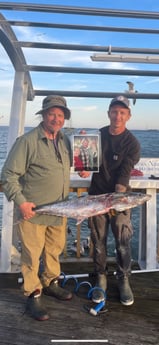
x=14 y=47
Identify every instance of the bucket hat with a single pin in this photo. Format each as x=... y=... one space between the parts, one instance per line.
x=55 y=101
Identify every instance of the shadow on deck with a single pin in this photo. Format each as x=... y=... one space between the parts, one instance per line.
x=118 y=325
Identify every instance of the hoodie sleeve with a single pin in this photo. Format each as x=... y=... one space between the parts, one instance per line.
x=130 y=159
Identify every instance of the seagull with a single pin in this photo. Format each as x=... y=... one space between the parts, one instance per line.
x=132 y=90
x=86 y=243
x=74 y=248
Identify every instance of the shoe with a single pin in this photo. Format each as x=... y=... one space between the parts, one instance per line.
x=98 y=295
x=35 y=307
x=126 y=295
x=56 y=291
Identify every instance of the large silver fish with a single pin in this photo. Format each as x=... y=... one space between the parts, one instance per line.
x=84 y=207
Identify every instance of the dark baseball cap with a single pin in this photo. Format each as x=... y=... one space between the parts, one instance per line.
x=120 y=100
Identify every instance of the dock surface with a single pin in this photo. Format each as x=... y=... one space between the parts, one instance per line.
x=70 y=321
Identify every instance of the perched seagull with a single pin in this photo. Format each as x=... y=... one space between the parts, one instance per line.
x=132 y=90
x=86 y=243
x=74 y=247
x=84 y=246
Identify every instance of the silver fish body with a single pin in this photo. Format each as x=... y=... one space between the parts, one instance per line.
x=87 y=206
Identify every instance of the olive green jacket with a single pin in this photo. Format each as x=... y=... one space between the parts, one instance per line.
x=32 y=172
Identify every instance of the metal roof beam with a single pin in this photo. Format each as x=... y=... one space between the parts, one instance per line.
x=95 y=94
x=81 y=70
x=89 y=11
x=84 y=27
x=45 y=45
x=104 y=49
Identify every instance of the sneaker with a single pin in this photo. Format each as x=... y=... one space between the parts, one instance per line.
x=98 y=294
x=56 y=291
x=126 y=295
x=35 y=308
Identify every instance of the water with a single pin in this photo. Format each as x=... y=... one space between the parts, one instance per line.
x=149 y=141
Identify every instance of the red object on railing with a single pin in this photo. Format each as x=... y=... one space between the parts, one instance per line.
x=136 y=172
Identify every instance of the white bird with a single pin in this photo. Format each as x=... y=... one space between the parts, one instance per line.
x=132 y=90
x=86 y=243
x=74 y=247
x=84 y=246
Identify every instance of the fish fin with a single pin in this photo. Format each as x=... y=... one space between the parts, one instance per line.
x=112 y=212
x=79 y=220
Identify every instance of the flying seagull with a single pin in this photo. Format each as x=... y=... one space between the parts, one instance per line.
x=132 y=90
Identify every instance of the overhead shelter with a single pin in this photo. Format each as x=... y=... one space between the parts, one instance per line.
x=8 y=39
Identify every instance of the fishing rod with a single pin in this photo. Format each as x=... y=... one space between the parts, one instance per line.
x=91 y=275
x=85 y=275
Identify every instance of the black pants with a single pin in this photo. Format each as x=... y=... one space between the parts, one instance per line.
x=122 y=230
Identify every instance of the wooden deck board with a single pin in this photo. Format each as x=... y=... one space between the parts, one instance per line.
x=137 y=324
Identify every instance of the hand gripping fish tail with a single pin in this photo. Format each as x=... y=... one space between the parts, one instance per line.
x=84 y=207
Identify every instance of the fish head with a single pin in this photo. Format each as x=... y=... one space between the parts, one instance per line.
x=125 y=201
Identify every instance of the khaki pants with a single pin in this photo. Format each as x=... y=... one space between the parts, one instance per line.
x=40 y=241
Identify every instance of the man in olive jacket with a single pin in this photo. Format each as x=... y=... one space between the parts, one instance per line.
x=37 y=172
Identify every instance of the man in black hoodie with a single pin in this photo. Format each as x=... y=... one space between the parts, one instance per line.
x=120 y=151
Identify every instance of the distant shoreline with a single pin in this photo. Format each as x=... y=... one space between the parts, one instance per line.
x=93 y=129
